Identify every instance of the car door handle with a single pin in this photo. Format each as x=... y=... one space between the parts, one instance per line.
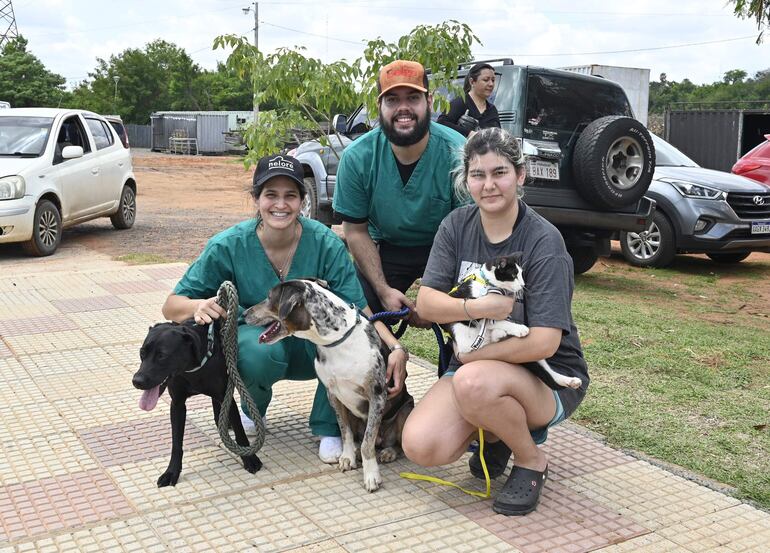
x=94 y=171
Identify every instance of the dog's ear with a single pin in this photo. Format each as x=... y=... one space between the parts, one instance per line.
x=319 y=281
x=289 y=299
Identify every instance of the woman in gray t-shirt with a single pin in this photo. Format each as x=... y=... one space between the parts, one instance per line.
x=491 y=388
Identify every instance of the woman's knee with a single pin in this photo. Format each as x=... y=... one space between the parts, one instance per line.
x=423 y=445
x=415 y=443
x=473 y=389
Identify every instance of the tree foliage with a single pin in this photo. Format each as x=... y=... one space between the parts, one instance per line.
x=733 y=91
x=24 y=80
x=310 y=91
x=759 y=10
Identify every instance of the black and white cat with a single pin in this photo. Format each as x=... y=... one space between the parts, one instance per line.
x=503 y=275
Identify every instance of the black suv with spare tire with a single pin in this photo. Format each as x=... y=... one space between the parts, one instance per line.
x=590 y=163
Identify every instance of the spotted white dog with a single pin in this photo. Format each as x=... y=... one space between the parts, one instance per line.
x=351 y=361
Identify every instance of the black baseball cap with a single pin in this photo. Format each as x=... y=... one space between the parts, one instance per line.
x=278 y=166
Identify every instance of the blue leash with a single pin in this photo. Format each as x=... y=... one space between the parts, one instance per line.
x=444 y=348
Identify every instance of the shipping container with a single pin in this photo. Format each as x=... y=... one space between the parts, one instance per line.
x=716 y=138
x=635 y=82
x=208 y=128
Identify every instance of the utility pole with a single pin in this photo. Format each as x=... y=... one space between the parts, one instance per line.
x=8 y=29
x=255 y=6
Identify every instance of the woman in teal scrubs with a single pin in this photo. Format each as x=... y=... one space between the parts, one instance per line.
x=257 y=254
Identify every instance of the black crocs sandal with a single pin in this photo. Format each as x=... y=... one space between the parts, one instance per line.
x=496 y=455
x=521 y=492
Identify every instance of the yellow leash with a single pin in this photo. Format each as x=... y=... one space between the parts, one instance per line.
x=426 y=478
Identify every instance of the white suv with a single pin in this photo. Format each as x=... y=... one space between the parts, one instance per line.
x=58 y=168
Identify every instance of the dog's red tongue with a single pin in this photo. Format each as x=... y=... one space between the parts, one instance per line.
x=269 y=332
x=149 y=398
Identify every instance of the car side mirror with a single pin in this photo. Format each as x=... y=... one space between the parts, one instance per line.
x=71 y=152
x=340 y=123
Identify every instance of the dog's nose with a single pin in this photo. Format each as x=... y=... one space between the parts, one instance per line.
x=139 y=381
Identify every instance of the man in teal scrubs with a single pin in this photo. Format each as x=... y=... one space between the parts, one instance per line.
x=394 y=188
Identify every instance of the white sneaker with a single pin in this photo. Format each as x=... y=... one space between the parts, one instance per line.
x=249 y=426
x=330 y=449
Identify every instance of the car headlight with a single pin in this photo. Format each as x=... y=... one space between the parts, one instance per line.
x=12 y=187
x=692 y=190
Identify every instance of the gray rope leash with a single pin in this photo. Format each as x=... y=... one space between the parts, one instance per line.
x=227 y=297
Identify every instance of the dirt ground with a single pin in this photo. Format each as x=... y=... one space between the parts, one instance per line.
x=183 y=200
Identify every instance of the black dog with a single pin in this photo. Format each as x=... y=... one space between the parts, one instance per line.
x=190 y=361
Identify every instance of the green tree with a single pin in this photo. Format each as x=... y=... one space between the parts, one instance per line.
x=309 y=91
x=25 y=81
x=734 y=76
x=759 y=10
x=161 y=76
x=223 y=89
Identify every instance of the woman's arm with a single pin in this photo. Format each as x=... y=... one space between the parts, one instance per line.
x=396 y=360
x=541 y=343
x=440 y=307
x=449 y=119
x=180 y=308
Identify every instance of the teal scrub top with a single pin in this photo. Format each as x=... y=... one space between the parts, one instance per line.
x=237 y=255
x=369 y=187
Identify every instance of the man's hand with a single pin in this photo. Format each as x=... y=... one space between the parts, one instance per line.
x=395 y=300
x=208 y=311
x=396 y=369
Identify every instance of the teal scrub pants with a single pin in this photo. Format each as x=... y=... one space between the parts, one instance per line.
x=262 y=365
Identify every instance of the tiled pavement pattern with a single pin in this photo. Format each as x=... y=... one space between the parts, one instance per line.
x=79 y=460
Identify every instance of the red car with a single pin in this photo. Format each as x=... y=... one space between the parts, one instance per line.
x=756 y=164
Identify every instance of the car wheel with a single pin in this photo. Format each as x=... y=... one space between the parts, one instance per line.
x=46 y=230
x=653 y=247
x=125 y=216
x=613 y=162
x=583 y=258
x=728 y=257
x=309 y=207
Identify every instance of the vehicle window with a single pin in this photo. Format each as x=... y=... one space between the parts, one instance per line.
x=24 y=136
x=121 y=130
x=102 y=135
x=562 y=103
x=71 y=133
x=667 y=155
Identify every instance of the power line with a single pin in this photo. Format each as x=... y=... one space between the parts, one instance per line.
x=624 y=51
x=359 y=43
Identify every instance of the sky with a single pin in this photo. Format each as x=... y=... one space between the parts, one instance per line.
x=695 y=39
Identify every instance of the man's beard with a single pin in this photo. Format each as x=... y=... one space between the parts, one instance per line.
x=399 y=139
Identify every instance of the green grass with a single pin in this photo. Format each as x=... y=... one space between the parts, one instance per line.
x=680 y=369
x=142 y=259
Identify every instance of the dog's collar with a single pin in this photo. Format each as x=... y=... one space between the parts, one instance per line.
x=209 y=349
x=349 y=331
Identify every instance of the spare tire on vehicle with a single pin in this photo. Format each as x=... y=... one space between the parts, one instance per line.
x=613 y=162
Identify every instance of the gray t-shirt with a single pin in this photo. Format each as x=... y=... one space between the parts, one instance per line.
x=461 y=246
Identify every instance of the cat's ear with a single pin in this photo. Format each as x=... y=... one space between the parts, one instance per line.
x=516 y=257
x=500 y=262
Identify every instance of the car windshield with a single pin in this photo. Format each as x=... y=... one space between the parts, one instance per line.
x=668 y=156
x=24 y=136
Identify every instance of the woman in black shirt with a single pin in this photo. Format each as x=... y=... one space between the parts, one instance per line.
x=475 y=111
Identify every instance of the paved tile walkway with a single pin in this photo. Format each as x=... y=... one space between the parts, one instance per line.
x=79 y=459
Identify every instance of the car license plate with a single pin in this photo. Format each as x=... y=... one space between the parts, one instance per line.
x=547 y=170
x=760 y=227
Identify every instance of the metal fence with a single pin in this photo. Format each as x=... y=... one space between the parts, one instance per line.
x=139 y=136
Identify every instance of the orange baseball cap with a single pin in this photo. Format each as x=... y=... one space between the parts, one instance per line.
x=402 y=73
